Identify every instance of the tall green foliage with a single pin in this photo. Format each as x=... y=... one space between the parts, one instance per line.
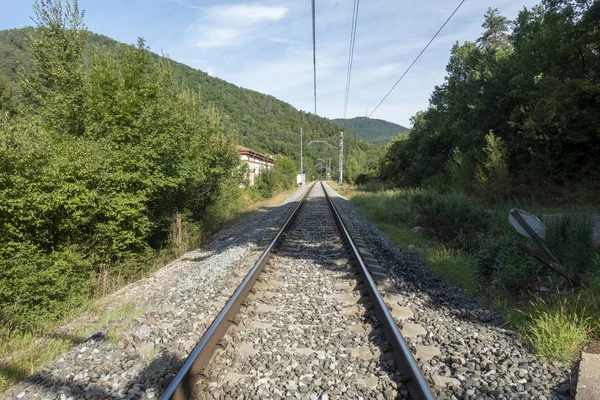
x=7 y=102
x=57 y=48
x=281 y=177
x=536 y=88
x=103 y=166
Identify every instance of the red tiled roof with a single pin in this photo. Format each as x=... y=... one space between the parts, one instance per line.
x=246 y=151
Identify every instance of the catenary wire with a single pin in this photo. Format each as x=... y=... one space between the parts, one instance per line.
x=351 y=53
x=416 y=59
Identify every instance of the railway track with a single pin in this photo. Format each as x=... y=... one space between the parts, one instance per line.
x=311 y=328
x=308 y=320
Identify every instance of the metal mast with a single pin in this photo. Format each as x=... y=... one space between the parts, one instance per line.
x=301 y=161
x=341 y=158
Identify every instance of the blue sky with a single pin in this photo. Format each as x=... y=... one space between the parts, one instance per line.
x=266 y=45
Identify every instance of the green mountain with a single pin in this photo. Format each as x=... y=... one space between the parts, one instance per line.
x=373 y=130
x=263 y=122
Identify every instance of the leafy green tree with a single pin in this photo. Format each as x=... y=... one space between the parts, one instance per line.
x=493 y=173
x=535 y=88
x=496 y=30
x=56 y=86
x=140 y=164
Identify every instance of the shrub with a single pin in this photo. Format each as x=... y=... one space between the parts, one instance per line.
x=493 y=175
x=494 y=252
x=281 y=177
x=93 y=186
x=39 y=288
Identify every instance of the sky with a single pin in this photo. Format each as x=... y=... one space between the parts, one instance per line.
x=266 y=45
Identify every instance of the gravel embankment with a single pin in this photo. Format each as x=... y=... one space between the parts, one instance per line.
x=305 y=334
x=479 y=359
x=179 y=302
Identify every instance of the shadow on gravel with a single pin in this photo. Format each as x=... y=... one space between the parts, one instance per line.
x=99 y=385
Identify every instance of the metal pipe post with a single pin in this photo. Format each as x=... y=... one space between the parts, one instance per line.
x=301 y=161
x=341 y=158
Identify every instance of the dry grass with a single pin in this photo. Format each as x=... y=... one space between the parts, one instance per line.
x=274 y=201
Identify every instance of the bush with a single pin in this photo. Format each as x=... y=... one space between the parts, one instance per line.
x=494 y=252
x=38 y=288
x=281 y=177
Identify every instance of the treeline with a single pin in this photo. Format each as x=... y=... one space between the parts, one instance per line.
x=520 y=108
x=261 y=122
x=100 y=167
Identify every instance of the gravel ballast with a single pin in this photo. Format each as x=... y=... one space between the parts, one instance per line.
x=307 y=332
x=479 y=358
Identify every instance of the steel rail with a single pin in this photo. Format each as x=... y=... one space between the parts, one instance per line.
x=417 y=385
x=182 y=386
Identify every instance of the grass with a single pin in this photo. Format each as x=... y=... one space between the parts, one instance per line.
x=557 y=328
x=454 y=267
x=22 y=353
x=472 y=247
x=451 y=265
x=274 y=201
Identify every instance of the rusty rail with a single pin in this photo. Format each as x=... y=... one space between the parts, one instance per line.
x=406 y=363
x=182 y=386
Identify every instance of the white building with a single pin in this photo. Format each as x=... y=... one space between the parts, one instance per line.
x=257 y=162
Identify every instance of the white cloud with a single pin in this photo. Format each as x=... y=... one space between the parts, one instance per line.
x=214 y=36
x=284 y=41
x=231 y=25
x=266 y=45
x=244 y=14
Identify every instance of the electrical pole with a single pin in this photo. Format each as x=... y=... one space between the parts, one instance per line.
x=301 y=165
x=341 y=158
x=314 y=52
x=329 y=169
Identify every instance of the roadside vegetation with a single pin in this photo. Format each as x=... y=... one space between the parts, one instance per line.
x=471 y=245
x=110 y=168
x=516 y=124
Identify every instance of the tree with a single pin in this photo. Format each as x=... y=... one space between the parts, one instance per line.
x=496 y=30
x=536 y=89
x=56 y=86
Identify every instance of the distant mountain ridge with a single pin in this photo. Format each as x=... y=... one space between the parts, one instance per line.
x=372 y=130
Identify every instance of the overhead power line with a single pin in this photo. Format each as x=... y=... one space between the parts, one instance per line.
x=416 y=59
x=351 y=53
x=314 y=53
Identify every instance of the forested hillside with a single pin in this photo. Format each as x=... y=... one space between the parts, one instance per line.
x=372 y=130
x=114 y=159
x=261 y=122
x=519 y=107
